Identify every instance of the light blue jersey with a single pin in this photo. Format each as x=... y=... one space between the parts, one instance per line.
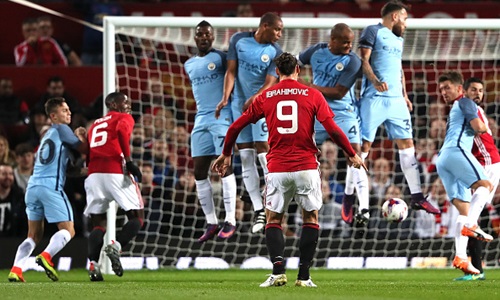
x=206 y=74
x=456 y=166
x=330 y=70
x=45 y=195
x=254 y=62
x=389 y=107
x=385 y=60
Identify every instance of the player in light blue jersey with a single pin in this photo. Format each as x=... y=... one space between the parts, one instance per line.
x=45 y=196
x=250 y=70
x=459 y=170
x=335 y=70
x=206 y=71
x=383 y=94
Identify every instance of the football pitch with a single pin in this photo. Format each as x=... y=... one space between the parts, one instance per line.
x=244 y=284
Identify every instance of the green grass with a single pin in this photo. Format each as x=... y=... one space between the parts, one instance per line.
x=244 y=284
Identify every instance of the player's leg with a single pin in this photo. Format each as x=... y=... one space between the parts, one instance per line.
x=126 y=193
x=96 y=208
x=250 y=176
x=399 y=128
x=35 y=233
x=309 y=196
x=203 y=151
x=95 y=243
x=279 y=193
x=461 y=260
x=57 y=209
x=480 y=197
x=229 y=187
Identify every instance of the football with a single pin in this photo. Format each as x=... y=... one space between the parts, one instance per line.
x=395 y=210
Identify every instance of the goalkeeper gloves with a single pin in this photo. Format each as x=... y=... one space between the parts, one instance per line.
x=134 y=170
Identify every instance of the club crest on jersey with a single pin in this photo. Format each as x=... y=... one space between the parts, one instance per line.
x=264 y=58
x=339 y=66
x=211 y=66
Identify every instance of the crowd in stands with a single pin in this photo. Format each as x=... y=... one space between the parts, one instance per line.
x=161 y=143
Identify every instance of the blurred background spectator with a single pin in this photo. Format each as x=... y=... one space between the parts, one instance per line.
x=12 y=208
x=46 y=30
x=25 y=159
x=12 y=109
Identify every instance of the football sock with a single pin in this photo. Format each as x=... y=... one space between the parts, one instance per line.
x=96 y=239
x=360 y=179
x=275 y=243
x=229 y=197
x=250 y=177
x=461 y=240
x=479 y=198
x=409 y=165
x=476 y=252
x=263 y=162
x=307 y=247
x=57 y=242
x=364 y=155
x=129 y=231
x=204 y=192
x=349 y=181
x=23 y=252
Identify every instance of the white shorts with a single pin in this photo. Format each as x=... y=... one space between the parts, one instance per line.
x=103 y=188
x=303 y=186
x=493 y=173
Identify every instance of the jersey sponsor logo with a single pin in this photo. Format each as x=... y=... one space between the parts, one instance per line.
x=264 y=58
x=251 y=67
x=211 y=66
x=204 y=79
x=339 y=66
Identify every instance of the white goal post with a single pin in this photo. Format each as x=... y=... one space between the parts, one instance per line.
x=431 y=46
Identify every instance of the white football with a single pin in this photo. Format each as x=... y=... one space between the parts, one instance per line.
x=395 y=210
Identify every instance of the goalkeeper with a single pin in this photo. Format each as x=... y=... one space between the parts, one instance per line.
x=109 y=140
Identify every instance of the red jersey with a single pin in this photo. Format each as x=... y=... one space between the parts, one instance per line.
x=290 y=109
x=484 y=148
x=109 y=140
x=45 y=51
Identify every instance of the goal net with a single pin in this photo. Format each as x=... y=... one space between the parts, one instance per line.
x=144 y=57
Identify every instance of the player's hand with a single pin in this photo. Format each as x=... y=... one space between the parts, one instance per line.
x=221 y=164
x=134 y=170
x=409 y=104
x=219 y=107
x=81 y=132
x=357 y=162
x=381 y=86
x=247 y=104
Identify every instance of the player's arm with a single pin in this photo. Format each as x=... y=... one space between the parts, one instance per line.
x=69 y=138
x=270 y=81
x=229 y=79
x=346 y=80
x=123 y=133
x=405 y=94
x=339 y=137
x=365 y=54
x=81 y=133
x=469 y=110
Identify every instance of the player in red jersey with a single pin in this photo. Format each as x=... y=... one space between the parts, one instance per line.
x=109 y=140
x=290 y=109
x=486 y=152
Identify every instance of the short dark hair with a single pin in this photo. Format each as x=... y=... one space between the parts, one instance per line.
x=286 y=63
x=112 y=97
x=269 y=18
x=452 y=76
x=339 y=29
x=471 y=80
x=23 y=148
x=52 y=104
x=54 y=79
x=393 y=6
x=203 y=24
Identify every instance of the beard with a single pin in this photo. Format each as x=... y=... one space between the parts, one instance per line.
x=397 y=30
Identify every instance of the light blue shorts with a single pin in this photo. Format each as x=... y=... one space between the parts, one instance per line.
x=252 y=133
x=349 y=125
x=42 y=201
x=208 y=139
x=458 y=170
x=392 y=112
